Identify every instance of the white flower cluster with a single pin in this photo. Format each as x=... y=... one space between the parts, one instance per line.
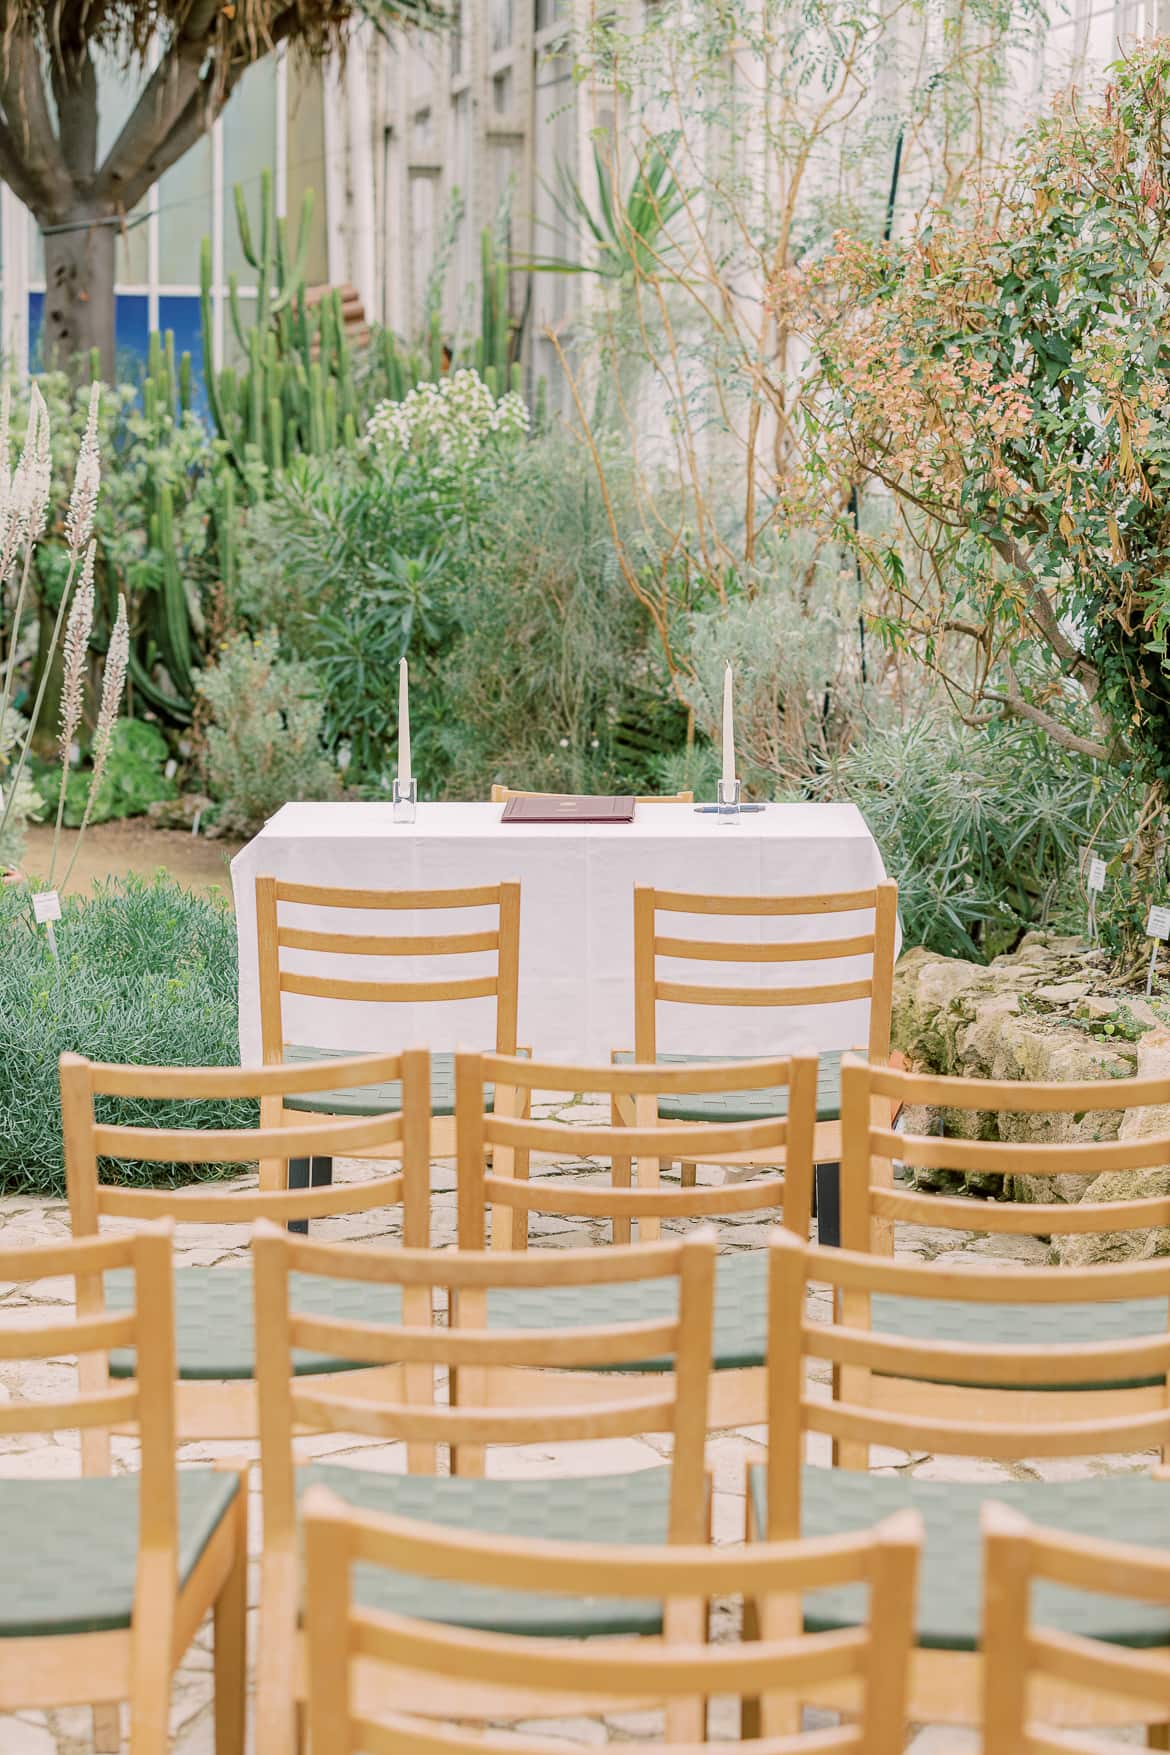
x=454 y=417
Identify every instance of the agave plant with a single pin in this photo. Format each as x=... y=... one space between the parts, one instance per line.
x=630 y=235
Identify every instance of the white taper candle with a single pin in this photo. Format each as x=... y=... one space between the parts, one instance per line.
x=728 y=732
x=404 y=773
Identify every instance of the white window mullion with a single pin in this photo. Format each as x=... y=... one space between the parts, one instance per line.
x=218 y=293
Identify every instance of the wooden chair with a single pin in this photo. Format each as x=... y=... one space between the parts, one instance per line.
x=107 y=1580
x=875 y=946
x=740 y=1337
x=500 y=939
x=379 y=1679
x=647 y=1506
x=1031 y=1667
x=215 y=1362
x=501 y=795
x=873 y=1204
x=1004 y=1401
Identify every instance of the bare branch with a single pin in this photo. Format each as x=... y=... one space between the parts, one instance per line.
x=1045 y=618
x=27 y=118
x=1015 y=704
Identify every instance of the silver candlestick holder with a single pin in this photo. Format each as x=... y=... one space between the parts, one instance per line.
x=404 y=799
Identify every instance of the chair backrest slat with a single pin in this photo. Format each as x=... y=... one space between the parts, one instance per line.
x=361 y=944
x=914 y=1392
x=677 y=1671
x=275 y=934
x=1028 y=1668
x=87 y=1141
x=479 y=1414
x=482 y=1124
x=872 y=1203
x=877 y=944
x=145 y=1403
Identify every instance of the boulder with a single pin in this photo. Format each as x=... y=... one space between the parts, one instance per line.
x=1040 y=1014
x=1084 y=1248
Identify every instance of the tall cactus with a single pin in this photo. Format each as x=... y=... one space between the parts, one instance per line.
x=297 y=391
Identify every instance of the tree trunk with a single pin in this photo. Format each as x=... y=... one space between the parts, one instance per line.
x=79 y=293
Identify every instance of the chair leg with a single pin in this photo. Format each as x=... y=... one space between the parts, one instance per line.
x=107 y=1729
x=828 y=1191
x=230 y=1654
x=308 y=1173
x=620 y=1171
x=1158 y=1736
x=521 y=1166
x=690 y=1173
x=749 y=1705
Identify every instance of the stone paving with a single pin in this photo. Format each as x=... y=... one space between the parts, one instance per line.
x=27 y=1221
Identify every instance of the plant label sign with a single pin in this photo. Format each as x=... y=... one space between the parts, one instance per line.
x=1095 y=876
x=1158 y=925
x=46 y=906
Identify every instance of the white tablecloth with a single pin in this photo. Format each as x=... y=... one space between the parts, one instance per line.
x=576 y=921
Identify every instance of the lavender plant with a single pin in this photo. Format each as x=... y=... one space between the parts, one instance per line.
x=24 y=509
x=113 y=683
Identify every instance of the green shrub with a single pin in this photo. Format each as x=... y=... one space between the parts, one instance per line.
x=530 y=659
x=983 y=828
x=263 y=747
x=147 y=975
x=133 y=780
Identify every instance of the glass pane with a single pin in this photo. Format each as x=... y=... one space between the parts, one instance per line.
x=249 y=147
x=184 y=215
x=118 y=92
x=180 y=313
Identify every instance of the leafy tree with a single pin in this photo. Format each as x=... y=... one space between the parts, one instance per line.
x=190 y=56
x=1006 y=374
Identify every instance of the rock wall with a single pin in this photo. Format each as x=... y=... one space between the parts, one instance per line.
x=1043 y=1013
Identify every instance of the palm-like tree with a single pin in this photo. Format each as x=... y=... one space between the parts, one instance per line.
x=190 y=55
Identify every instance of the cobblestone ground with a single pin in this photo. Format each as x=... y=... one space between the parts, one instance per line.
x=36 y=1221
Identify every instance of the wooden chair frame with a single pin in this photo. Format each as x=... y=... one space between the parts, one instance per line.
x=208 y=1409
x=872 y=1203
x=134 y=1664
x=406 y=1408
x=358 y=1658
x=737 y=1396
x=934 y=1399
x=501 y=795
x=1026 y=1664
x=650 y=943
x=272 y=937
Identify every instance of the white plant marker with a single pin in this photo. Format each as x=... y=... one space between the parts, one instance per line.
x=46 y=909
x=1158 y=929
x=1094 y=883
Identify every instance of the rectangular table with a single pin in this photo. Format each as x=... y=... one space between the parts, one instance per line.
x=576 y=921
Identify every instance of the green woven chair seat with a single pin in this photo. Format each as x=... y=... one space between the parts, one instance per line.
x=1031 y=1325
x=604 y=1508
x=744 y=1105
x=381 y=1099
x=215 y=1323
x=741 y=1309
x=839 y=1501
x=71 y=1548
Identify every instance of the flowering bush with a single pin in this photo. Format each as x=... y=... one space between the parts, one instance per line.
x=1005 y=373
x=452 y=419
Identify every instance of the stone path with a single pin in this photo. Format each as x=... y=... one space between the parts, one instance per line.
x=24 y=1221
